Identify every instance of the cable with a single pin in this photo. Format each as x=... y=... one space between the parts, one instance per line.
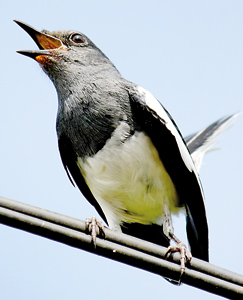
x=120 y=247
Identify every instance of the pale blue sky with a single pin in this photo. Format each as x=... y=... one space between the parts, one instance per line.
x=189 y=55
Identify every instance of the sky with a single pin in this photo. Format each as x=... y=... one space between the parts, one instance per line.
x=189 y=55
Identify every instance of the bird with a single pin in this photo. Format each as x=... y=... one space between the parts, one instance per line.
x=121 y=147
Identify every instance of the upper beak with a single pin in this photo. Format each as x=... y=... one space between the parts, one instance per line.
x=45 y=42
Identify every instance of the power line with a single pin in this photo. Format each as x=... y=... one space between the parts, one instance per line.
x=120 y=247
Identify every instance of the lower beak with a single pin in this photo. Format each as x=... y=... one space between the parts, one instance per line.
x=34 y=53
x=46 y=43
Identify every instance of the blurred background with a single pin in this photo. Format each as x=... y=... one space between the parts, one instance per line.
x=188 y=54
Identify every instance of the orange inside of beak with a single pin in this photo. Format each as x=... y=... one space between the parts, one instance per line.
x=41 y=59
x=48 y=42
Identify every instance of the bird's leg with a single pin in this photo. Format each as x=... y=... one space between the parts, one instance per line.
x=179 y=247
x=95 y=227
x=167 y=223
x=184 y=252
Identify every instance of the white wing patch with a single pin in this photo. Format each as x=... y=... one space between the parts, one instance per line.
x=154 y=104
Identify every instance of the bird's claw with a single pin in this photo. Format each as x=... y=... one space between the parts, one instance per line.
x=95 y=227
x=186 y=255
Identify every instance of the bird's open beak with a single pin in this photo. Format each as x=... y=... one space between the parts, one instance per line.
x=46 y=43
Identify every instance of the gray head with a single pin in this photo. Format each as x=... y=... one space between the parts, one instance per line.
x=92 y=98
x=66 y=54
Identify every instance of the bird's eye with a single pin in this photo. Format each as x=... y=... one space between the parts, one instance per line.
x=77 y=38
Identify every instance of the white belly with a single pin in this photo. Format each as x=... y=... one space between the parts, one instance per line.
x=129 y=180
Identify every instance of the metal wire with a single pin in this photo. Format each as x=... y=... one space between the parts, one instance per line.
x=120 y=247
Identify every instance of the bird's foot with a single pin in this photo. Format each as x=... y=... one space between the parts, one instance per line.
x=186 y=255
x=95 y=227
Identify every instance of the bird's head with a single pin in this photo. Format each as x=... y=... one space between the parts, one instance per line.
x=64 y=52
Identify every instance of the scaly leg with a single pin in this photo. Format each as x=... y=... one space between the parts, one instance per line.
x=184 y=252
x=180 y=247
x=95 y=227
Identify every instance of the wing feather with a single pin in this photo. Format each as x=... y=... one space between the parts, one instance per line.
x=69 y=160
x=156 y=122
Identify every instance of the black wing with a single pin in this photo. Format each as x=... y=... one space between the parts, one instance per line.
x=156 y=122
x=69 y=160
